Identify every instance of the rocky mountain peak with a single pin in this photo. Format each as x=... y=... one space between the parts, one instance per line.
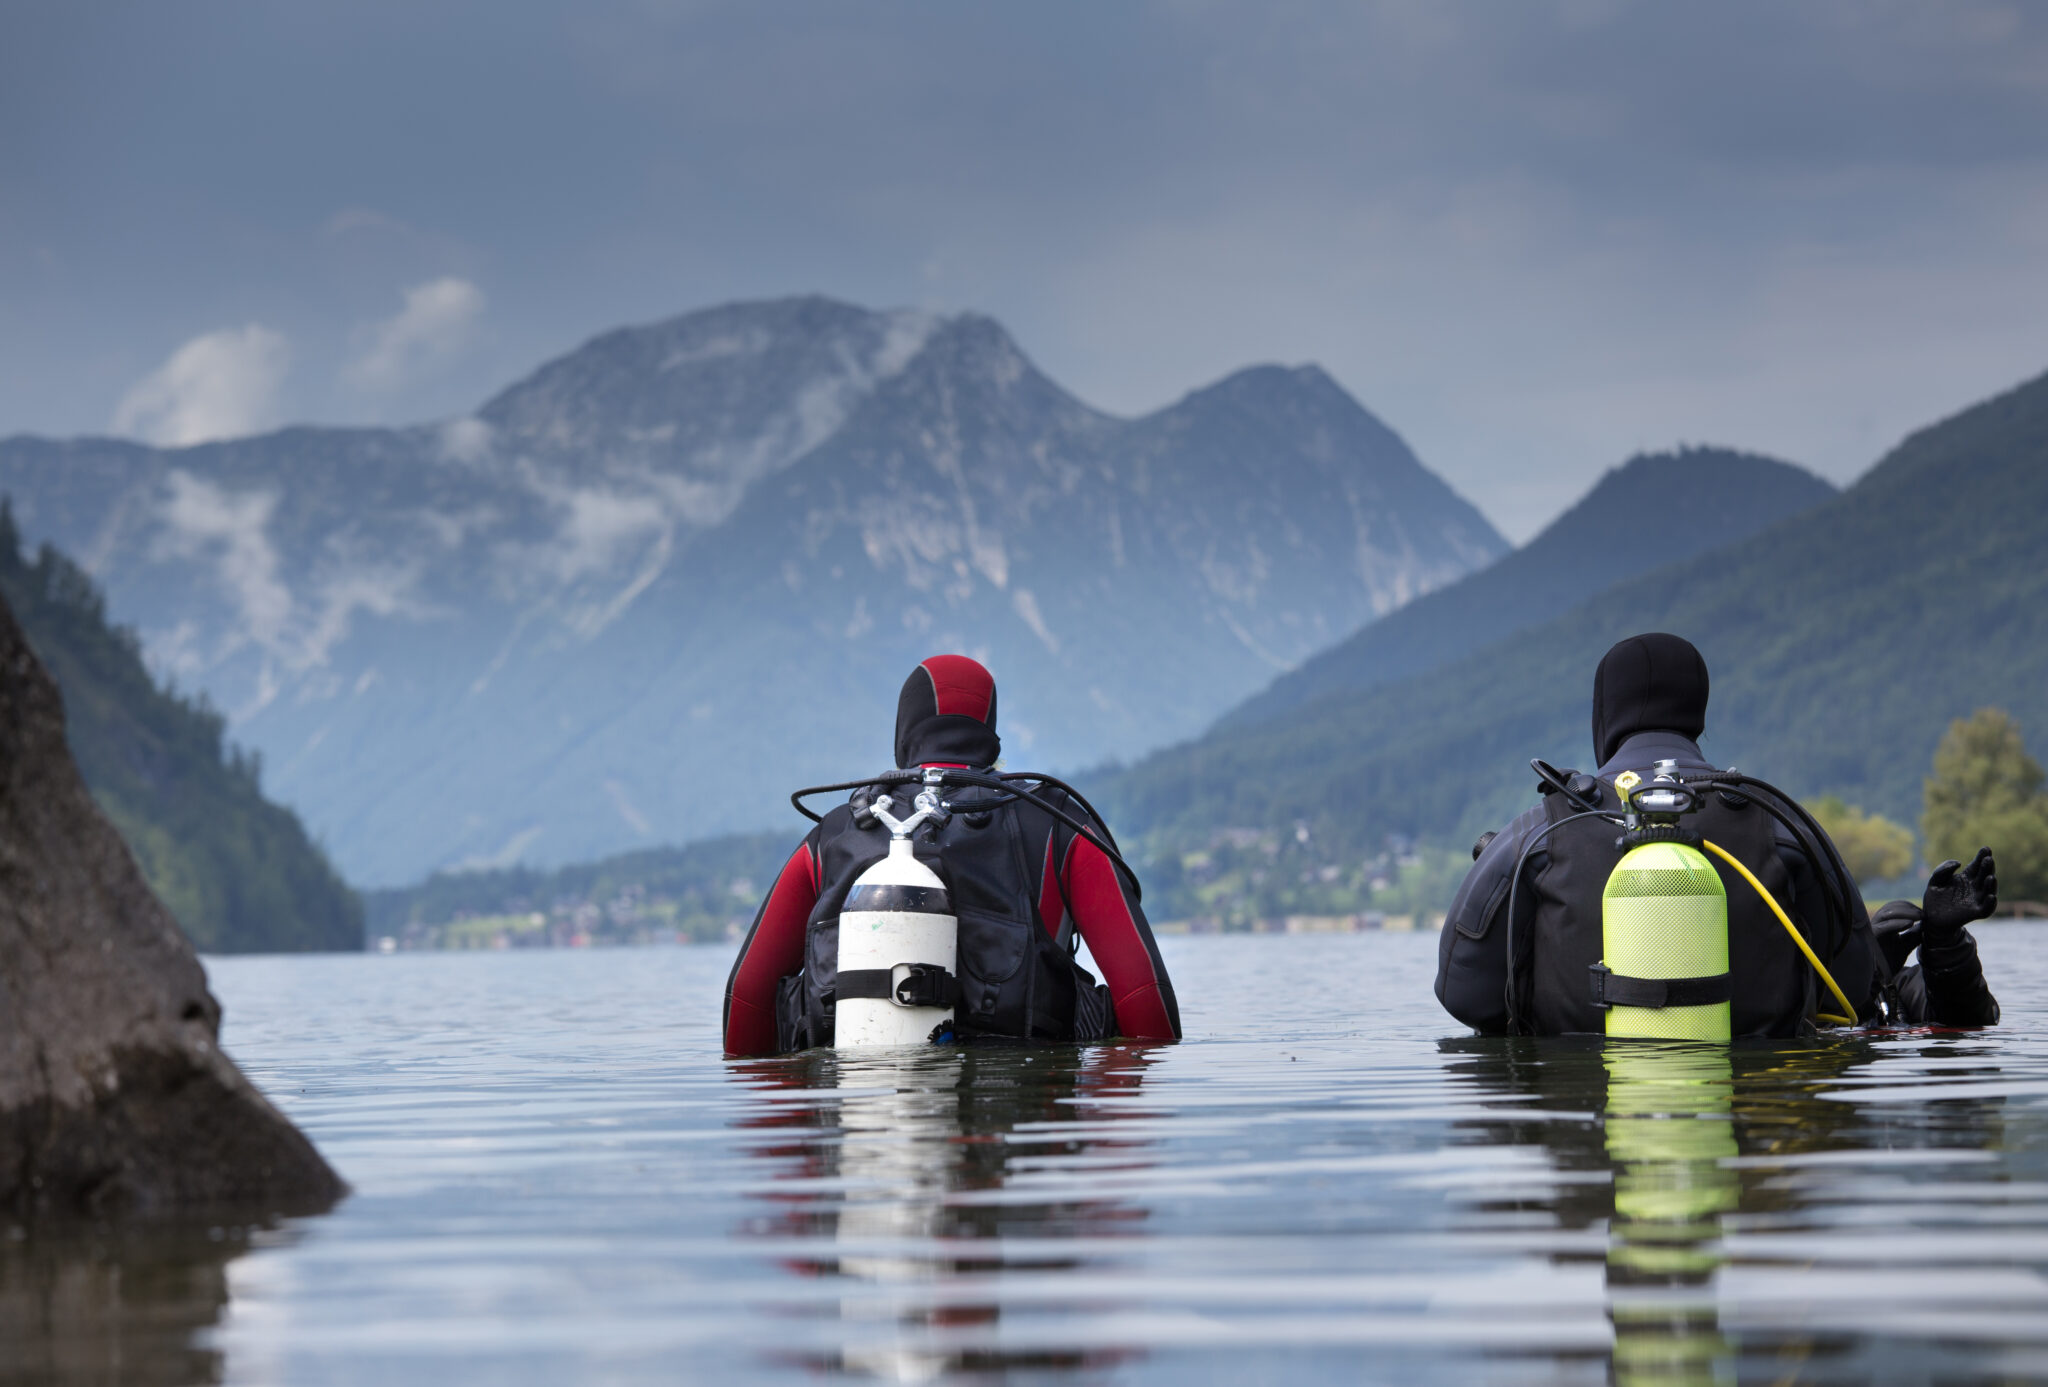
x=1269 y=387
x=757 y=515
x=970 y=361
x=1322 y=423
x=726 y=394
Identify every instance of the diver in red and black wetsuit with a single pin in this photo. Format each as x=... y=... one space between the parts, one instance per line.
x=1023 y=883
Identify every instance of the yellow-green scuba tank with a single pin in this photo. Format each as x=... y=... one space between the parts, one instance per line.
x=1663 y=970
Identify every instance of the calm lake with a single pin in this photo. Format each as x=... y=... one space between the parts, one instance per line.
x=557 y=1179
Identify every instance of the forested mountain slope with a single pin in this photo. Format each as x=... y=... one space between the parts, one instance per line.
x=1653 y=511
x=237 y=871
x=1841 y=642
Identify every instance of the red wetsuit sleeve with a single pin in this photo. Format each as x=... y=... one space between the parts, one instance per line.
x=773 y=950
x=1114 y=926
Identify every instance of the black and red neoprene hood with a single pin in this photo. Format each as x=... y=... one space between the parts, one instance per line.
x=947 y=714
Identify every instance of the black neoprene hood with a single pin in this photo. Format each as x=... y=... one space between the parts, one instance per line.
x=947 y=714
x=1648 y=683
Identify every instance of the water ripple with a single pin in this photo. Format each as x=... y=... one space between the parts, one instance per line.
x=557 y=1179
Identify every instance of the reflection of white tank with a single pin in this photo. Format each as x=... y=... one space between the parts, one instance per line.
x=898 y=1152
x=898 y=944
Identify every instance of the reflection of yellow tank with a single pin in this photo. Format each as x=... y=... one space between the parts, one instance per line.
x=1669 y=1125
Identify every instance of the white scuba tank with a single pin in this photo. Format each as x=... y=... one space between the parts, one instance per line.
x=898 y=946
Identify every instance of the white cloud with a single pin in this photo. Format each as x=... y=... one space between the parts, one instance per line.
x=201 y=519
x=436 y=322
x=465 y=440
x=602 y=532
x=1027 y=610
x=375 y=591
x=230 y=530
x=601 y=528
x=219 y=385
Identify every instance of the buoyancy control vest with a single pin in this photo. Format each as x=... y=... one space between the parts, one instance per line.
x=1772 y=989
x=1016 y=980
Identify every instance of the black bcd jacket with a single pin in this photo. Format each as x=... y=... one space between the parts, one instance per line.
x=1547 y=918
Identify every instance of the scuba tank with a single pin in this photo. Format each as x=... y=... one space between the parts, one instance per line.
x=986 y=966
x=1663 y=969
x=1674 y=956
x=899 y=941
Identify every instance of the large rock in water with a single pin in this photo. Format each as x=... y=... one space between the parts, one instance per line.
x=114 y=1094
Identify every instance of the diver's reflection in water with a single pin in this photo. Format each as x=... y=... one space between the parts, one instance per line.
x=1672 y=1115
x=897 y=1124
x=909 y=1146
x=93 y=1305
x=1669 y=1128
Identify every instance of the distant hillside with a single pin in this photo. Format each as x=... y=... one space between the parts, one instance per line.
x=1654 y=510
x=700 y=891
x=684 y=568
x=1841 y=642
x=237 y=871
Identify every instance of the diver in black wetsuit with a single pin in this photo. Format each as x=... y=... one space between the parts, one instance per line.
x=1534 y=892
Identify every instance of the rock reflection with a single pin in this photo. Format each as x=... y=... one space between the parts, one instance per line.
x=903 y=1161
x=90 y=1307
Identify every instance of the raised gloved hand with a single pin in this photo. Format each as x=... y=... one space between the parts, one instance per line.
x=1957 y=895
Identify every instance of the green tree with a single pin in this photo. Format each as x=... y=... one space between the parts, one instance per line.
x=1873 y=848
x=1987 y=792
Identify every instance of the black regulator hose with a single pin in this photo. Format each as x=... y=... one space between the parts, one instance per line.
x=1071 y=793
x=797 y=797
x=1007 y=783
x=1811 y=839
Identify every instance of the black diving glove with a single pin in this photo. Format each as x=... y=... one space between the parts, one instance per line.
x=1957 y=895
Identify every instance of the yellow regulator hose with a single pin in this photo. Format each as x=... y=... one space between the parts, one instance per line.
x=1849 y=1019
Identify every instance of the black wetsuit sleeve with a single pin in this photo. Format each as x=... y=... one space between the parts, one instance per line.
x=1472 y=952
x=1947 y=987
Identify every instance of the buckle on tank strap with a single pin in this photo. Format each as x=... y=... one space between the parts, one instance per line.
x=1612 y=989
x=926 y=985
x=906 y=984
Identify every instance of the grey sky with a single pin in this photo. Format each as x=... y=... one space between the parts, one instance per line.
x=1532 y=237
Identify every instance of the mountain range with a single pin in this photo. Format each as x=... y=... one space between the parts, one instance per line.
x=1841 y=642
x=1641 y=516
x=1653 y=510
x=643 y=593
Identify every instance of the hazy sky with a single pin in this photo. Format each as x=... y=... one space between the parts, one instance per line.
x=1533 y=238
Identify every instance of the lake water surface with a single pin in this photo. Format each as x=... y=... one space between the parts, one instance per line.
x=558 y=1179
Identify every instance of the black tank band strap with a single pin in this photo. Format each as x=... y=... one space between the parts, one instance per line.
x=909 y=900
x=927 y=985
x=1612 y=989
